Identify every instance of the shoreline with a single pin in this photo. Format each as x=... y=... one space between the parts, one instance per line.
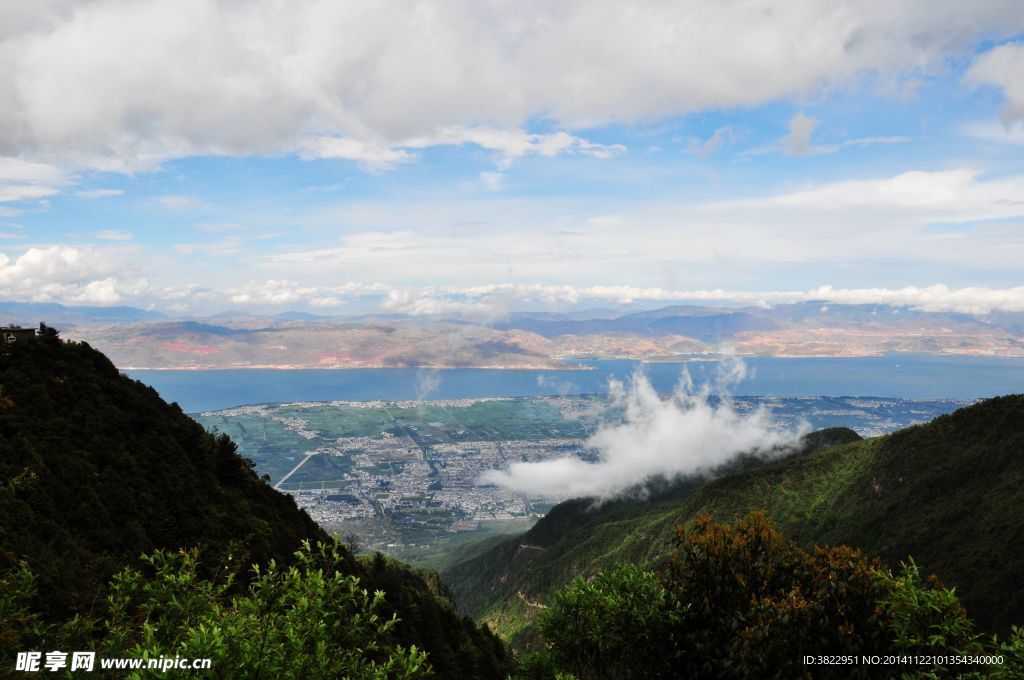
x=567 y=367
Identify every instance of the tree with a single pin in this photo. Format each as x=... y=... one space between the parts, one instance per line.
x=305 y=621
x=48 y=334
x=740 y=601
x=616 y=625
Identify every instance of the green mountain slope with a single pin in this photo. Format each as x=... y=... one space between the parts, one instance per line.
x=96 y=469
x=949 y=493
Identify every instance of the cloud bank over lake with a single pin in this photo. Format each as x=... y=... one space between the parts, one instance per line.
x=685 y=433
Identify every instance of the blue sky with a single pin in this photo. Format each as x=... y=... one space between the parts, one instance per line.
x=473 y=158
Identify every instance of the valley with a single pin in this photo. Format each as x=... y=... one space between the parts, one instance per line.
x=404 y=476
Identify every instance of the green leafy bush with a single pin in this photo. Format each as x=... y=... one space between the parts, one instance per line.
x=308 y=620
x=740 y=601
x=617 y=625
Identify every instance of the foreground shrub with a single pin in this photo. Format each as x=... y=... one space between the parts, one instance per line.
x=309 y=620
x=616 y=625
x=740 y=601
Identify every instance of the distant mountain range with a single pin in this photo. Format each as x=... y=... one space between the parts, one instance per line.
x=31 y=313
x=947 y=493
x=136 y=338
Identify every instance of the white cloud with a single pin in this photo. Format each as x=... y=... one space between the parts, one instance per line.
x=111 y=275
x=428 y=303
x=681 y=435
x=70 y=275
x=22 y=192
x=911 y=224
x=22 y=180
x=516 y=143
x=492 y=301
x=99 y=193
x=371 y=155
x=1003 y=66
x=18 y=170
x=560 y=252
x=270 y=292
x=935 y=298
x=509 y=144
x=325 y=302
x=948 y=194
x=271 y=75
x=280 y=292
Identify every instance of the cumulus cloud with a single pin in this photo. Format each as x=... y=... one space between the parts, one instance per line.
x=271 y=292
x=69 y=275
x=76 y=275
x=679 y=435
x=426 y=302
x=280 y=292
x=362 y=76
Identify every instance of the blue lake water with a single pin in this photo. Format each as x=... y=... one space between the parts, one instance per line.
x=904 y=376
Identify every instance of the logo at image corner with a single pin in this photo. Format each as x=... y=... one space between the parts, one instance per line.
x=31 y=662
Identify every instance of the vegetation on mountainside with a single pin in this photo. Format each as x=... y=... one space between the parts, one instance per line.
x=96 y=469
x=740 y=601
x=309 y=620
x=947 y=493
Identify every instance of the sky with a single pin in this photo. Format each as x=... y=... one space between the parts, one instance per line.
x=196 y=156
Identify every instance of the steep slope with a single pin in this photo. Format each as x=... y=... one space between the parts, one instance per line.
x=95 y=469
x=948 y=493
x=98 y=469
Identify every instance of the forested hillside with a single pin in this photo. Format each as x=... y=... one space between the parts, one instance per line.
x=947 y=493
x=95 y=470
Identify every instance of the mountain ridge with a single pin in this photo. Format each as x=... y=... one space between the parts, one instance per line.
x=946 y=493
x=96 y=469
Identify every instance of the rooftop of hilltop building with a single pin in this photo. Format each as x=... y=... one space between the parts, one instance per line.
x=12 y=334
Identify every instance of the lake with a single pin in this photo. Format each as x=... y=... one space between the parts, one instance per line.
x=903 y=376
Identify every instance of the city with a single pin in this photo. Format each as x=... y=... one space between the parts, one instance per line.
x=405 y=475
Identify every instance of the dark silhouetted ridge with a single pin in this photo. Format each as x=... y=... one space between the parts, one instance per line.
x=95 y=469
